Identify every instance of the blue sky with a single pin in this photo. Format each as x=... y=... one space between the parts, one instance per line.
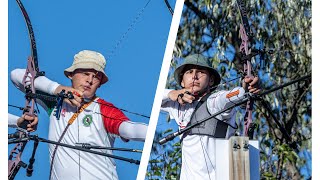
x=63 y=28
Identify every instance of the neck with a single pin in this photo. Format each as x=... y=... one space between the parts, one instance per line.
x=88 y=99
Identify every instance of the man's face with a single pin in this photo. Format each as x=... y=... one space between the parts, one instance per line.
x=87 y=81
x=196 y=78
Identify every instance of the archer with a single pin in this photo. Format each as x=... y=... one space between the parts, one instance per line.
x=196 y=101
x=84 y=118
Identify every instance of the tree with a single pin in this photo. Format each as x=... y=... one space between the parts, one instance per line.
x=282 y=31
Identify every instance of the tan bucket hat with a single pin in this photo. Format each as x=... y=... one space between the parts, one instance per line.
x=87 y=59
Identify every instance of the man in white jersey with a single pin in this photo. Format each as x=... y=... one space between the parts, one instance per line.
x=198 y=79
x=86 y=118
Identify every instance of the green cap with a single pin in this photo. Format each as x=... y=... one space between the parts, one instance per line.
x=198 y=60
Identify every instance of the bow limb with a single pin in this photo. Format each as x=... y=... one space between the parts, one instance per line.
x=169 y=7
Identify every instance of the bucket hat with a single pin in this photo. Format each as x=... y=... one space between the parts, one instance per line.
x=87 y=59
x=198 y=60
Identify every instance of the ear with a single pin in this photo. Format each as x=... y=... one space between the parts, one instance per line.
x=182 y=84
x=211 y=81
x=70 y=75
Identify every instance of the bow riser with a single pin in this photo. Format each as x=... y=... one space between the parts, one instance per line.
x=28 y=81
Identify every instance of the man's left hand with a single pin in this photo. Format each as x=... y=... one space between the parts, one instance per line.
x=32 y=120
x=252 y=84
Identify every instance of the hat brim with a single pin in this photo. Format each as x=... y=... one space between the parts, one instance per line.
x=212 y=71
x=68 y=72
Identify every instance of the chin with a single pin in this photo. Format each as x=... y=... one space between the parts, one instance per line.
x=197 y=89
x=87 y=96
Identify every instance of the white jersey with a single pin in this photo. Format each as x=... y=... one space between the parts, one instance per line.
x=198 y=161
x=89 y=127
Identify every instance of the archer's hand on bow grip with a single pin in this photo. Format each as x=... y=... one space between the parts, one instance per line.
x=77 y=95
x=28 y=122
x=252 y=84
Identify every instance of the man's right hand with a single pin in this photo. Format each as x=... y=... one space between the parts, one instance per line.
x=76 y=101
x=182 y=96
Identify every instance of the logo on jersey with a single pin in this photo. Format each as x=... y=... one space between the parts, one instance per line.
x=63 y=112
x=87 y=120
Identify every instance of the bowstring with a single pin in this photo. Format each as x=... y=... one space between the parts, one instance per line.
x=130 y=28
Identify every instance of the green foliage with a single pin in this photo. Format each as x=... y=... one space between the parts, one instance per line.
x=166 y=160
x=279 y=26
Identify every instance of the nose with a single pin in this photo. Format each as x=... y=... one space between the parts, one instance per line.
x=194 y=75
x=90 y=79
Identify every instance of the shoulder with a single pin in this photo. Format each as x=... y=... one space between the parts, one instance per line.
x=112 y=116
x=107 y=108
x=105 y=105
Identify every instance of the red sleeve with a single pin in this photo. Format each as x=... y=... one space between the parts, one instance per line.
x=112 y=116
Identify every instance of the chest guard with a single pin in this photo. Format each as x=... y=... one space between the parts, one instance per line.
x=211 y=127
